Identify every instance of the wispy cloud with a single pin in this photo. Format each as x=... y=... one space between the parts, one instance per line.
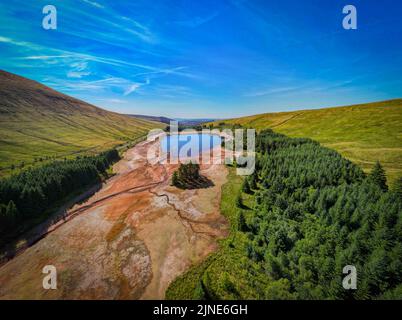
x=132 y=88
x=269 y=91
x=112 y=100
x=43 y=57
x=135 y=86
x=88 y=86
x=77 y=74
x=142 y=31
x=95 y=4
x=312 y=86
x=126 y=26
x=64 y=54
x=196 y=21
x=26 y=45
x=122 y=86
x=171 y=91
x=79 y=70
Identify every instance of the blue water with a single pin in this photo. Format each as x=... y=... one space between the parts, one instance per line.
x=196 y=143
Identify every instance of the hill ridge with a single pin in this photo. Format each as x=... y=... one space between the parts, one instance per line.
x=39 y=122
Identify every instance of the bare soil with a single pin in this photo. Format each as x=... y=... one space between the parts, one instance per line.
x=128 y=241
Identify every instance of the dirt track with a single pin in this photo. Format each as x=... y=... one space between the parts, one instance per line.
x=128 y=241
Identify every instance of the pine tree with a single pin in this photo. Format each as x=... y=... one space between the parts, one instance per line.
x=3 y=218
x=197 y=170
x=9 y=215
x=199 y=292
x=246 y=187
x=253 y=182
x=241 y=223
x=12 y=210
x=175 y=179
x=377 y=175
x=239 y=201
x=398 y=187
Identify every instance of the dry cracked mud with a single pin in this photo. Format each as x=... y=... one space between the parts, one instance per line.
x=128 y=241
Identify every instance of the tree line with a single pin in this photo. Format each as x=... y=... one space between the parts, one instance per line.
x=31 y=193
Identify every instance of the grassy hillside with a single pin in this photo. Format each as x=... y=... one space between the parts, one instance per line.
x=39 y=123
x=362 y=133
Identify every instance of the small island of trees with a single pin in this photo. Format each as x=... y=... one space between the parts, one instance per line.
x=188 y=177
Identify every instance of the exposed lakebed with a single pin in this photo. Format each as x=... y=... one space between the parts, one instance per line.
x=132 y=238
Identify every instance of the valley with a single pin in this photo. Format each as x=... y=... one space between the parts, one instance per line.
x=220 y=151
x=130 y=227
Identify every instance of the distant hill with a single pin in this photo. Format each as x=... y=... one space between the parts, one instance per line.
x=182 y=121
x=363 y=133
x=193 y=122
x=37 y=122
x=151 y=118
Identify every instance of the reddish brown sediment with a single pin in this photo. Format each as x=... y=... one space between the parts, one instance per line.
x=128 y=241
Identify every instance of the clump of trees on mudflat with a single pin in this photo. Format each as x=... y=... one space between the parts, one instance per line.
x=188 y=177
x=31 y=193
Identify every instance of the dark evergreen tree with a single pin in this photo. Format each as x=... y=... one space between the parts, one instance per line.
x=398 y=187
x=241 y=222
x=8 y=215
x=175 y=179
x=377 y=176
x=239 y=201
x=246 y=186
x=11 y=212
x=253 y=181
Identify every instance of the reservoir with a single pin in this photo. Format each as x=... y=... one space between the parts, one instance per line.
x=189 y=144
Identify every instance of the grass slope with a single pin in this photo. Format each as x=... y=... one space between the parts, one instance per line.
x=39 y=122
x=362 y=133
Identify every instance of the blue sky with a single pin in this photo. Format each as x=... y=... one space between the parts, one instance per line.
x=207 y=58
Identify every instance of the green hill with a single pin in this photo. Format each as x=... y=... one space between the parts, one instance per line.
x=39 y=123
x=362 y=133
